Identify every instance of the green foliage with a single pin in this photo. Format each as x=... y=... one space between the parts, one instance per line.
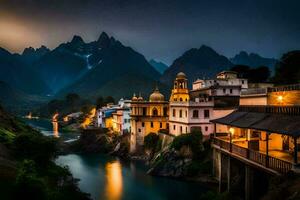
x=254 y=75
x=28 y=184
x=6 y=136
x=287 y=70
x=192 y=140
x=151 y=141
x=36 y=147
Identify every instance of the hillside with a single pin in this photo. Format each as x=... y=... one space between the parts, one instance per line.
x=197 y=63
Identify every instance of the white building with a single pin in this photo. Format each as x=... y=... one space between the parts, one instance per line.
x=209 y=99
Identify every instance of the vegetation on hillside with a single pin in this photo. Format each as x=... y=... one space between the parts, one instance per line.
x=27 y=164
x=254 y=75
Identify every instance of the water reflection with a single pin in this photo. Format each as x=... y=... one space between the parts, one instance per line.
x=114 y=180
x=55 y=129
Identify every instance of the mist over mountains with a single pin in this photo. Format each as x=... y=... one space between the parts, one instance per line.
x=104 y=67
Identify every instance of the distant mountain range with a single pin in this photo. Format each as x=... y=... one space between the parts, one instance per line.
x=253 y=60
x=103 y=67
x=159 y=66
x=197 y=63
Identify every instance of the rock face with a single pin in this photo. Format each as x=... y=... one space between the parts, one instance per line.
x=93 y=142
x=159 y=66
x=170 y=163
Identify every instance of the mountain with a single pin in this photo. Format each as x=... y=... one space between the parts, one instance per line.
x=197 y=63
x=17 y=101
x=114 y=69
x=31 y=55
x=159 y=66
x=18 y=74
x=253 y=60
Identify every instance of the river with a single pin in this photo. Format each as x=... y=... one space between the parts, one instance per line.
x=108 y=178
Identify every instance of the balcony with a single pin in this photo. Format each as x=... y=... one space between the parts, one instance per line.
x=278 y=161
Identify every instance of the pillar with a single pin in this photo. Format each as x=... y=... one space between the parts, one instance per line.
x=267 y=149
x=295 y=151
x=228 y=173
x=220 y=172
x=230 y=140
x=248 y=182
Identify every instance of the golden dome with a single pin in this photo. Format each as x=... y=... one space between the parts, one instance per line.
x=134 y=98
x=156 y=96
x=181 y=75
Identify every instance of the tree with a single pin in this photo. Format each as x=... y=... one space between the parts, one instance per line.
x=254 y=75
x=100 y=102
x=109 y=99
x=287 y=70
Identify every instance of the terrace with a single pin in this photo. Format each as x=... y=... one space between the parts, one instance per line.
x=266 y=136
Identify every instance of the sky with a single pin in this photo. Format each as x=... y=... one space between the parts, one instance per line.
x=159 y=29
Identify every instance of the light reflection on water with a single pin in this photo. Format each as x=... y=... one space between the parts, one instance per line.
x=114 y=180
x=55 y=129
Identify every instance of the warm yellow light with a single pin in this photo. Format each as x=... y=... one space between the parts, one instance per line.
x=231 y=131
x=280 y=98
x=114 y=180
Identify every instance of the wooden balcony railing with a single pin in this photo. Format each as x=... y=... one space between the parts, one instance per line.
x=273 y=163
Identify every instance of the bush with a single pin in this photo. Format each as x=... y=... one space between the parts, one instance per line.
x=35 y=147
x=192 y=140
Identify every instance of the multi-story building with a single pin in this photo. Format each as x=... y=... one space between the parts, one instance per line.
x=262 y=134
x=146 y=117
x=209 y=99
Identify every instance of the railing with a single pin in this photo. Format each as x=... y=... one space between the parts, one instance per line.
x=276 y=164
x=289 y=110
x=254 y=91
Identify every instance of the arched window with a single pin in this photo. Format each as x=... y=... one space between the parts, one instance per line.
x=180 y=99
x=154 y=112
x=180 y=113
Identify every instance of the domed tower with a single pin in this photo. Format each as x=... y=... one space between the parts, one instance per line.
x=156 y=96
x=180 y=90
x=134 y=98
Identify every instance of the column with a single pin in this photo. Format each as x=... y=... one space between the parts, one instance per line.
x=230 y=140
x=220 y=171
x=228 y=173
x=295 y=151
x=267 y=149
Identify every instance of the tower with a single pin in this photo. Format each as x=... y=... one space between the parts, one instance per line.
x=180 y=91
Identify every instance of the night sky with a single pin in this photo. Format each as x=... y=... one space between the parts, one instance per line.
x=161 y=29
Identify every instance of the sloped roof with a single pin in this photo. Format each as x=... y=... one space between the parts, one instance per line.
x=274 y=123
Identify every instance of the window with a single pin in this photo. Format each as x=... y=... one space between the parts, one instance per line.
x=160 y=125
x=180 y=99
x=206 y=113
x=143 y=124
x=206 y=128
x=186 y=130
x=174 y=127
x=224 y=90
x=180 y=129
x=243 y=82
x=230 y=91
x=154 y=112
x=167 y=125
x=151 y=124
x=195 y=113
x=174 y=113
x=180 y=114
x=186 y=113
x=140 y=130
x=165 y=111
x=144 y=111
